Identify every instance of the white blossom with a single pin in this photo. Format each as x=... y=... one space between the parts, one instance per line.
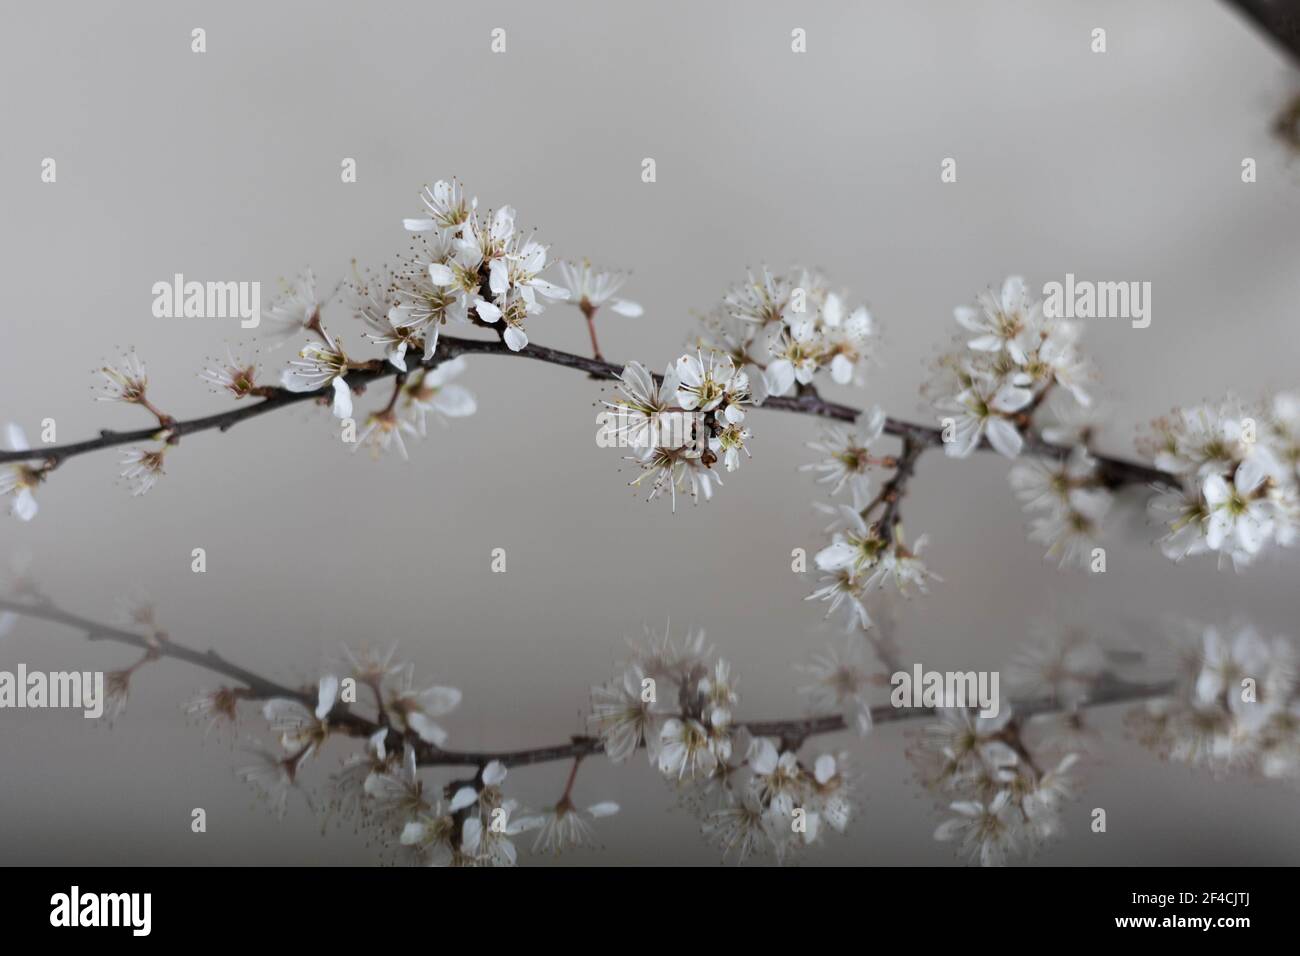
x=21 y=478
x=318 y=365
x=415 y=710
x=294 y=312
x=591 y=288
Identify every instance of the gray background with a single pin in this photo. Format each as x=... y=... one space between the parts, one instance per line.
x=226 y=166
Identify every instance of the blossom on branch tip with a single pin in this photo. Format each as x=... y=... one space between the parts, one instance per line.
x=142 y=467
x=590 y=289
x=319 y=365
x=21 y=478
x=231 y=375
x=1236 y=467
x=411 y=709
x=447 y=206
x=215 y=707
x=383 y=431
x=565 y=826
x=841 y=683
x=302 y=730
x=127 y=381
x=432 y=391
x=478 y=270
x=622 y=717
x=1069 y=502
x=847 y=453
x=271 y=775
x=800 y=328
x=985 y=408
x=295 y=312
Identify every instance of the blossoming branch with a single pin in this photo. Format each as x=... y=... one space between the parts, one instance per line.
x=1222 y=479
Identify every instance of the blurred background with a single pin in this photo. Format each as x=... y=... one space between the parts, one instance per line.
x=225 y=166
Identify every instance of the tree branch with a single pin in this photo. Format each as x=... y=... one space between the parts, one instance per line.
x=1114 y=471
x=1280 y=19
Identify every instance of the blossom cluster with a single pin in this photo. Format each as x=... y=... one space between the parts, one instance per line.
x=867 y=550
x=1003 y=782
x=463 y=266
x=753 y=795
x=1012 y=361
x=1235 y=707
x=1237 y=466
x=1000 y=802
x=709 y=386
x=468 y=823
x=783 y=329
x=470 y=267
x=1069 y=503
x=1013 y=355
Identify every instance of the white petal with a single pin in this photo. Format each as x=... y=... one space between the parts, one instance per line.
x=471 y=835
x=824 y=768
x=427 y=730
x=624 y=307
x=326 y=695
x=342 y=404
x=24 y=506
x=499 y=277
x=1011 y=398
x=1250 y=475
x=1013 y=294
x=763 y=757
x=550 y=289
x=1004 y=437
x=1216 y=490
x=968 y=318
x=16 y=438
x=455 y=401
x=440 y=274
x=444 y=372
x=779 y=377
x=437 y=701
x=516 y=339
x=465 y=796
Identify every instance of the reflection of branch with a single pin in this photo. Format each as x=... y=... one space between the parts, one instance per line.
x=1114 y=471
x=792 y=733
